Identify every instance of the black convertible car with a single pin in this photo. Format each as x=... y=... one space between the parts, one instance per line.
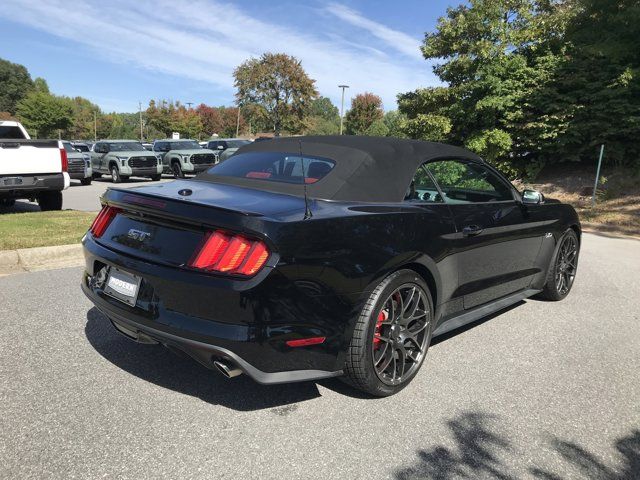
x=313 y=257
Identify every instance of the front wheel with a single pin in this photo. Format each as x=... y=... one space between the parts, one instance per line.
x=115 y=175
x=177 y=170
x=156 y=178
x=391 y=336
x=86 y=181
x=563 y=268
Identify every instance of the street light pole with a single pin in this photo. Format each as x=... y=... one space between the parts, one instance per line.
x=343 y=87
x=95 y=126
x=141 y=126
x=238 y=122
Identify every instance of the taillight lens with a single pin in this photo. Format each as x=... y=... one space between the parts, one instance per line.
x=234 y=254
x=103 y=220
x=64 y=161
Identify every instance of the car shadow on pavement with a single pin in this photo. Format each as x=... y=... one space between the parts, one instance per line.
x=158 y=365
x=21 y=207
x=478 y=450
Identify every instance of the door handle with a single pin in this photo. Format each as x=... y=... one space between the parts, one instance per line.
x=471 y=230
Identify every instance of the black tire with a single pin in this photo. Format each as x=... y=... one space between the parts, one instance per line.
x=155 y=178
x=115 y=174
x=96 y=175
x=176 y=169
x=86 y=181
x=360 y=371
x=50 y=201
x=7 y=202
x=564 y=264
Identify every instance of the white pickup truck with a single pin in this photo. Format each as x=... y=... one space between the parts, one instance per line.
x=32 y=169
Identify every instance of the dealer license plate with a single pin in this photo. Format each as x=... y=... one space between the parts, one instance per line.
x=122 y=286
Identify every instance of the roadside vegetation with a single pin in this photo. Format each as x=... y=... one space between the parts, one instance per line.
x=43 y=229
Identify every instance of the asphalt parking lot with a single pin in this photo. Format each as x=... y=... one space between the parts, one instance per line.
x=543 y=390
x=87 y=197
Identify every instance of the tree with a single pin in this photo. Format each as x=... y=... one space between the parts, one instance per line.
x=44 y=114
x=278 y=83
x=494 y=56
x=82 y=121
x=15 y=83
x=395 y=123
x=366 y=108
x=323 y=107
x=324 y=118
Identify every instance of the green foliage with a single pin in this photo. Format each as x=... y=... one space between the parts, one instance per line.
x=429 y=127
x=395 y=123
x=323 y=107
x=377 y=129
x=366 y=108
x=279 y=84
x=44 y=114
x=15 y=83
x=532 y=82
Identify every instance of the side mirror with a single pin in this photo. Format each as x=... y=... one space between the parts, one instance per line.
x=532 y=197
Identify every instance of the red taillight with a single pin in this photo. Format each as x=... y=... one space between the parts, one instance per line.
x=233 y=254
x=305 y=342
x=64 y=161
x=103 y=220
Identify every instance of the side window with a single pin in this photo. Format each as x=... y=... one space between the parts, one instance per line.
x=468 y=182
x=156 y=146
x=422 y=189
x=98 y=148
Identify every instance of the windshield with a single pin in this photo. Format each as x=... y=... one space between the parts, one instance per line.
x=126 y=147
x=274 y=167
x=187 y=145
x=237 y=143
x=68 y=147
x=81 y=147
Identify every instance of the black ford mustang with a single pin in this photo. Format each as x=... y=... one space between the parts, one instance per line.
x=314 y=257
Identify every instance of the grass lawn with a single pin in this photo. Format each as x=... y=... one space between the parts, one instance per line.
x=41 y=229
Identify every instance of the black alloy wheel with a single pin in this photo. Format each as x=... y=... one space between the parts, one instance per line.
x=563 y=268
x=401 y=334
x=391 y=336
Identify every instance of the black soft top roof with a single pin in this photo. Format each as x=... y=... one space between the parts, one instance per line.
x=367 y=169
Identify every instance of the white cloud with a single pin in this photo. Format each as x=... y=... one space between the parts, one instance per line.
x=196 y=41
x=399 y=41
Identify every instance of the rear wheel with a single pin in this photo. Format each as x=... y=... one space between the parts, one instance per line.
x=96 y=175
x=177 y=170
x=155 y=178
x=392 y=335
x=7 y=202
x=115 y=174
x=563 y=268
x=50 y=201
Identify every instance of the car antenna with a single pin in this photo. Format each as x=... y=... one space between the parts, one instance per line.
x=307 y=210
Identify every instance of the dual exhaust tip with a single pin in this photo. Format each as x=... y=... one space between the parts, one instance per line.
x=226 y=369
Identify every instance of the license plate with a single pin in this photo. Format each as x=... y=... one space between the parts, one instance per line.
x=13 y=181
x=122 y=286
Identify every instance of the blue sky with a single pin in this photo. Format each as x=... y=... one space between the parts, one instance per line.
x=119 y=52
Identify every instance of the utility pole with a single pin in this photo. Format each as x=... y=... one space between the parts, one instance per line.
x=141 y=126
x=95 y=126
x=238 y=122
x=189 y=104
x=343 y=87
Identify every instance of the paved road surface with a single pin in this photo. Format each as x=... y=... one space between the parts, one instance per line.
x=544 y=390
x=85 y=197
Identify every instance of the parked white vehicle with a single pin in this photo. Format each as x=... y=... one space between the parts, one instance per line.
x=32 y=169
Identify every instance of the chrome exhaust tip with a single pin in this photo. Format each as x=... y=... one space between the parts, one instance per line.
x=226 y=369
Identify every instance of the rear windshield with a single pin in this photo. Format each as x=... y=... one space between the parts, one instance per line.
x=11 y=132
x=126 y=147
x=274 y=167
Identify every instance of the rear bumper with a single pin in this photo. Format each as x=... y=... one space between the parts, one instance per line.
x=211 y=319
x=28 y=185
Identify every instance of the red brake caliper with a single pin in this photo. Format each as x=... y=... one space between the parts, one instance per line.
x=382 y=316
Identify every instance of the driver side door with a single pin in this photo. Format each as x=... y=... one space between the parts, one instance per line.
x=496 y=243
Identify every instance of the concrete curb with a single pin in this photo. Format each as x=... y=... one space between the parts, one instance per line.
x=40 y=258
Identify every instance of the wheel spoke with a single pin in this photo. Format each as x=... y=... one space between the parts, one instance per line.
x=386 y=363
x=402 y=358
